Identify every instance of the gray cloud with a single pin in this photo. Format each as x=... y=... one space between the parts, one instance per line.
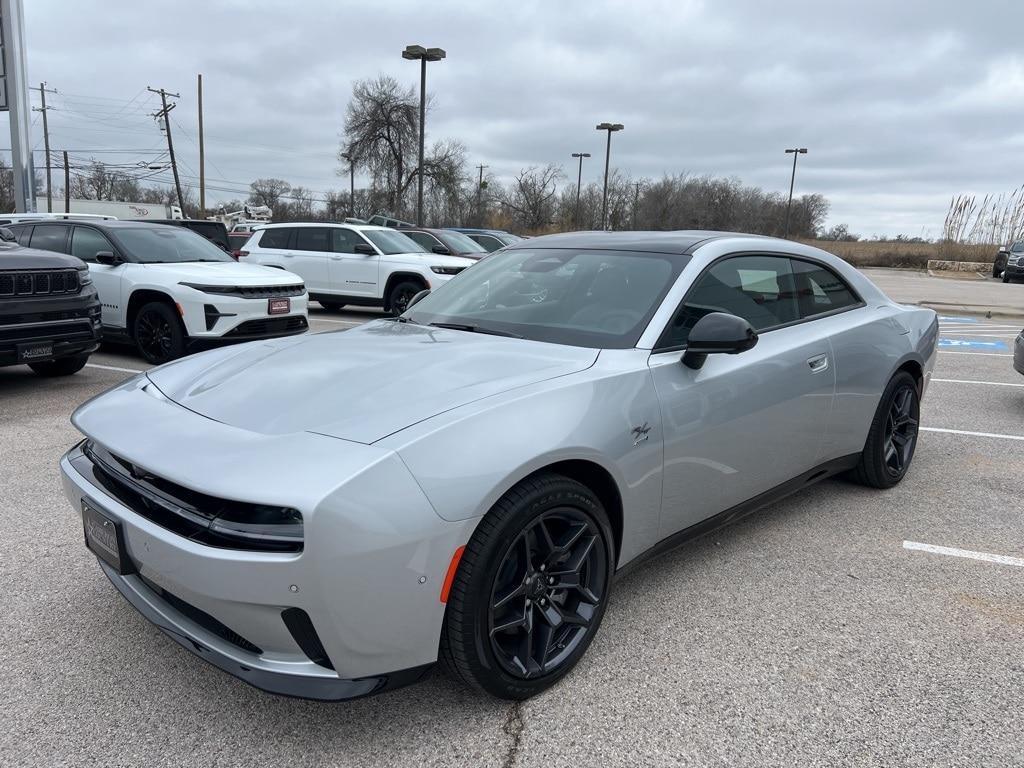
x=901 y=104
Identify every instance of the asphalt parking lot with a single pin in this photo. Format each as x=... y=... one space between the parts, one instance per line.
x=807 y=634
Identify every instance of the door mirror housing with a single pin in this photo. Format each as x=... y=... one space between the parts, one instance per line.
x=364 y=248
x=717 y=333
x=421 y=295
x=441 y=250
x=107 y=257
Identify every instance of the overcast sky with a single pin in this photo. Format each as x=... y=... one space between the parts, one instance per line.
x=900 y=104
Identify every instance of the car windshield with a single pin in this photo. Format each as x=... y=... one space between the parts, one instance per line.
x=389 y=241
x=460 y=243
x=161 y=244
x=586 y=298
x=1017 y=247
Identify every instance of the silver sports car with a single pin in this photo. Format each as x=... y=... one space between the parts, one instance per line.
x=326 y=516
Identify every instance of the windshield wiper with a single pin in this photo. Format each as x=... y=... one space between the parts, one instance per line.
x=476 y=329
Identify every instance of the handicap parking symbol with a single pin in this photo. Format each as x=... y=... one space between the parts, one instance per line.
x=973 y=344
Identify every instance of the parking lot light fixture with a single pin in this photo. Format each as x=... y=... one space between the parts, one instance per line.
x=789 y=206
x=579 y=180
x=611 y=128
x=423 y=55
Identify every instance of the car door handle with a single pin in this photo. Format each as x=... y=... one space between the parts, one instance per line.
x=335 y=257
x=287 y=255
x=818 y=363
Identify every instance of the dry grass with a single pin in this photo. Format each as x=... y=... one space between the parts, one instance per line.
x=904 y=255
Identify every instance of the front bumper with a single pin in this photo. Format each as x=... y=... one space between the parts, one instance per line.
x=1014 y=271
x=70 y=323
x=214 y=317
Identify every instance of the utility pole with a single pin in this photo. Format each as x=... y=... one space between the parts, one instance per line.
x=165 y=114
x=480 y=194
x=792 y=179
x=202 y=157
x=636 y=203
x=351 y=159
x=14 y=98
x=579 y=181
x=43 y=90
x=67 y=184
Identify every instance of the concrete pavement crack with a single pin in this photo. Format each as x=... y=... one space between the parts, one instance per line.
x=513 y=728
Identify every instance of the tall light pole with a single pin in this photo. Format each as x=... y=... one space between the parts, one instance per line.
x=792 y=179
x=611 y=128
x=579 y=180
x=418 y=52
x=351 y=182
x=15 y=99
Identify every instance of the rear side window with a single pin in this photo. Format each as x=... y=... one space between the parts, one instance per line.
x=23 y=233
x=87 y=242
x=49 y=237
x=275 y=238
x=312 y=239
x=345 y=240
x=427 y=241
x=760 y=289
x=821 y=290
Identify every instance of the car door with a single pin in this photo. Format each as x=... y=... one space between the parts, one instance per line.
x=311 y=257
x=427 y=240
x=49 y=237
x=353 y=274
x=742 y=424
x=109 y=280
x=490 y=242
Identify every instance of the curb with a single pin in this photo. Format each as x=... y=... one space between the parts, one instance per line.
x=973 y=309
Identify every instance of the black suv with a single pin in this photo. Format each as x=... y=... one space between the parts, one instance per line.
x=49 y=310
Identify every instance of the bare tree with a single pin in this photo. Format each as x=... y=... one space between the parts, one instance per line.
x=532 y=196
x=268 y=192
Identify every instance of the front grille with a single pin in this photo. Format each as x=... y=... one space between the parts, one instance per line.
x=44 y=283
x=253 y=291
x=203 y=619
x=49 y=317
x=197 y=516
x=271 y=326
x=72 y=330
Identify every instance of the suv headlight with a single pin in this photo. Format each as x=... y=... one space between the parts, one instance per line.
x=84 y=278
x=446 y=270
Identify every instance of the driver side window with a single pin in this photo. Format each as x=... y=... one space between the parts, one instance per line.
x=87 y=242
x=760 y=289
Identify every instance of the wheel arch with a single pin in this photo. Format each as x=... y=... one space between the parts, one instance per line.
x=139 y=298
x=396 y=277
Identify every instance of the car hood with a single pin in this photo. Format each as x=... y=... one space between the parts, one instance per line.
x=226 y=273
x=361 y=384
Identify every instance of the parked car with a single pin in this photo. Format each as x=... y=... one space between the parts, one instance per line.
x=214 y=231
x=999 y=263
x=1014 y=269
x=491 y=239
x=465 y=480
x=166 y=289
x=447 y=241
x=49 y=311
x=381 y=220
x=345 y=264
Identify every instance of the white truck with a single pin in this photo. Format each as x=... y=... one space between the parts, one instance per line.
x=121 y=210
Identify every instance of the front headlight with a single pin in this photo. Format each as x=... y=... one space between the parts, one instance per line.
x=84 y=278
x=446 y=270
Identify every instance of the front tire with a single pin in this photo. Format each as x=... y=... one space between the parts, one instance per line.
x=158 y=333
x=530 y=590
x=1006 y=277
x=65 y=366
x=401 y=294
x=892 y=439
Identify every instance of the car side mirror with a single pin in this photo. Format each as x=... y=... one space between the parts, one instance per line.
x=107 y=257
x=421 y=295
x=364 y=248
x=717 y=333
x=441 y=250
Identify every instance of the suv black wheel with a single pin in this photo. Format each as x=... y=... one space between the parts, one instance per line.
x=401 y=294
x=65 y=366
x=530 y=590
x=158 y=333
x=331 y=306
x=893 y=436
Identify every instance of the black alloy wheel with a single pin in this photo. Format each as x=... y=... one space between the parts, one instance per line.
x=159 y=335
x=892 y=438
x=401 y=294
x=548 y=589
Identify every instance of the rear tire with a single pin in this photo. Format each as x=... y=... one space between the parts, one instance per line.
x=530 y=590
x=1006 y=277
x=65 y=366
x=401 y=294
x=892 y=439
x=158 y=333
x=331 y=306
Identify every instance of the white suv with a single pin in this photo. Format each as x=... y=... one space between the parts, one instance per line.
x=165 y=288
x=352 y=263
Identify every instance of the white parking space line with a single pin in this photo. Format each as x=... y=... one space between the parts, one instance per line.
x=968 y=433
x=980 y=354
x=966 y=553
x=113 y=368
x=971 y=381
